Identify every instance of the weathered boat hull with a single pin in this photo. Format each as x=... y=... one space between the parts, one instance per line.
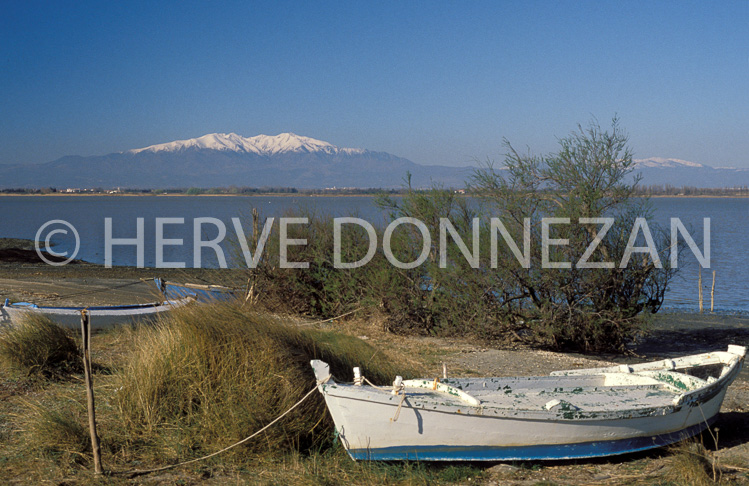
x=543 y=452
x=375 y=424
x=376 y=437
x=100 y=316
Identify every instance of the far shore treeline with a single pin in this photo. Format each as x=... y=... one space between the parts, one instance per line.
x=655 y=190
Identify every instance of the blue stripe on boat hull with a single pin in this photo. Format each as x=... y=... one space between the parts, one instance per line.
x=526 y=453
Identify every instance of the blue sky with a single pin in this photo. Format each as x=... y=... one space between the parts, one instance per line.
x=436 y=82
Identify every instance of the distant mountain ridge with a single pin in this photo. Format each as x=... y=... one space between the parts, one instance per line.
x=678 y=173
x=223 y=160
x=290 y=160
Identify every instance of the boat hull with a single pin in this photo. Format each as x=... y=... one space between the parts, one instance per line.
x=569 y=415
x=542 y=452
x=369 y=433
x=100 y=317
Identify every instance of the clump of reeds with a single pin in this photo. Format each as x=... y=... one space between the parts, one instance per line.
x=208 y=376
x=38 y=346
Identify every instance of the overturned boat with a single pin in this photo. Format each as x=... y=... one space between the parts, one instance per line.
x=201 y=293
x=101 y=316
x=569 y=414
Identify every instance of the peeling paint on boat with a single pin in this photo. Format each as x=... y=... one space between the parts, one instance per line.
x=672 y=381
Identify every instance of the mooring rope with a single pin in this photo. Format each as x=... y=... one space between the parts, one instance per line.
x=400 y=405
x=134 y=473
x=334 y=318
x=88 y=292
x=400 y=390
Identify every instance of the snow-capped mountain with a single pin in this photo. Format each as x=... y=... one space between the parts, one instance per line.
x=663 y=163
x=678 y=173
x=260 y=144
x=223 y=160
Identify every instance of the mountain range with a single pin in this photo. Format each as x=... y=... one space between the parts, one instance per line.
x=679 y=173
x=289 y=160
x=223 y=160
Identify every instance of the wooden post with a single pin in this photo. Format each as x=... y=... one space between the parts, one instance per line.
x=251 y=297
x=712 y=293
x=86 y=334
x=255 y=227
x=700 y=290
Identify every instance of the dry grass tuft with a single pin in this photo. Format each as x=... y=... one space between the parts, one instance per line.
x=38 y=346
x=690 y=465
x=57 y=432
x=208 y=376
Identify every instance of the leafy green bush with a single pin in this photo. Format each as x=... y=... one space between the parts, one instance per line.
x=579 y=307
x=446 y=294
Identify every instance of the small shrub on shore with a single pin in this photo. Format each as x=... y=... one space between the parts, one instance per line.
x=209 y=376
x=580 y=290
x=38 y=346
x=321 y=289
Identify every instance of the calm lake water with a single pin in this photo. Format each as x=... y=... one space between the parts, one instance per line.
x=22 y=216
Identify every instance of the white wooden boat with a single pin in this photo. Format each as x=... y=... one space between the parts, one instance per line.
x=570 y=414
x=100 y=316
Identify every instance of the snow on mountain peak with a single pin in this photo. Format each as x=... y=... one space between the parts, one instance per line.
x=663 y=163
x=260 y=144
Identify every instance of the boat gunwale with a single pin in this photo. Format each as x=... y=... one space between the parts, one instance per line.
x=691 y=398
x=29 y=306
x=486 y=410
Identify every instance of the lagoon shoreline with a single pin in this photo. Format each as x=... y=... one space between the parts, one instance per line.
x=373 y=193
